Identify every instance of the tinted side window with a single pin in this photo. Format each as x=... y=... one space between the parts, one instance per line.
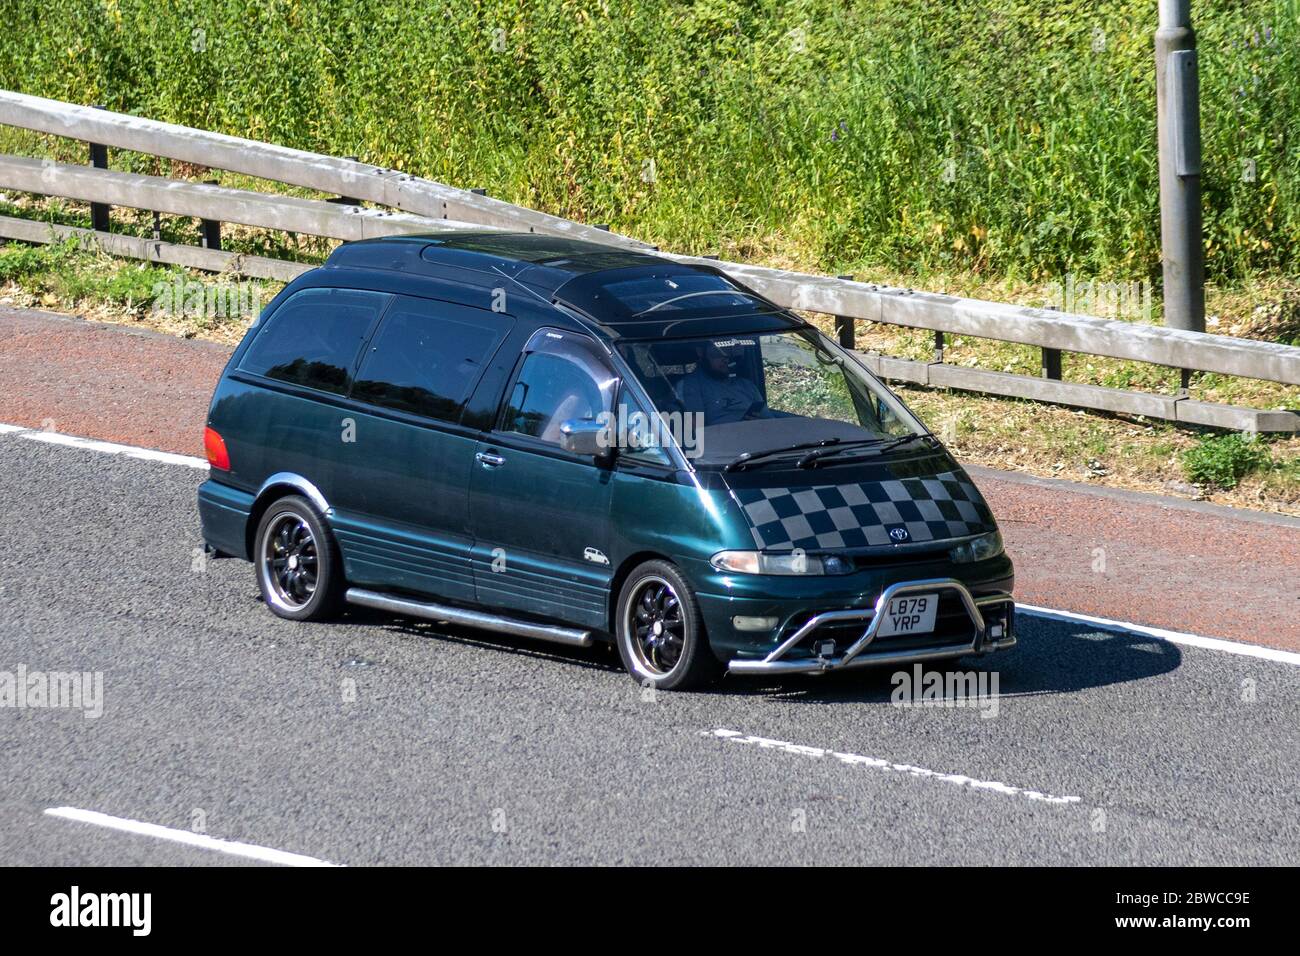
x=562 y=380
x=426 y=357
x=313 y=338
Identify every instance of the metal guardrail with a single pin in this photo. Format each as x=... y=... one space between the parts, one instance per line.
x=429 y=206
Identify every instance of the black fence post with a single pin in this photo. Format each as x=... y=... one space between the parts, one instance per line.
x=1052 y=363
x=99 y=218
x=844 y=327
x=210 y=229
x=938 y=345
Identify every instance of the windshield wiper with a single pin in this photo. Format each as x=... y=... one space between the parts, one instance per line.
x=747 y=457
x=877 y=445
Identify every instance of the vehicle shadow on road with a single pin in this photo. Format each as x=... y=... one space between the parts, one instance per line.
x=1052 y=657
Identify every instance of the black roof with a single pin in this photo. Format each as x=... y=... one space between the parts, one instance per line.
x=543 y=262
x=583 y=276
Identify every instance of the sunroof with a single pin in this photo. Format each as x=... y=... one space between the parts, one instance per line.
x=661 y=293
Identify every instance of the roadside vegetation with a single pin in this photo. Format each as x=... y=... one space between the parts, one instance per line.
x=1005 y=137
x=996 y=150
x=65 y=278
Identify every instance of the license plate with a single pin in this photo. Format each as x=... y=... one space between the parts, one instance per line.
x=913 y=614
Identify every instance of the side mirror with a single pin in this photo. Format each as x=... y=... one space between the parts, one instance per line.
x=585 y=438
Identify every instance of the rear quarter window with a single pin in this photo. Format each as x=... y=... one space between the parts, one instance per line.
x=314 y=337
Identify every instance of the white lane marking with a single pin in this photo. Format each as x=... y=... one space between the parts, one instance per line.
x=249 y=850
x=105 y=447
x=857 y=760
x=1173 y=637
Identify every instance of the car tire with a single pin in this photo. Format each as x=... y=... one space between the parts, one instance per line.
x=297 y=562
x=659 y=631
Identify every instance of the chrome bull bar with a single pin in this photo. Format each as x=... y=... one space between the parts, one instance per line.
x=775 y=662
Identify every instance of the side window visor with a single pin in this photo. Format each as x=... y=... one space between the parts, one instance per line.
x=563 y=377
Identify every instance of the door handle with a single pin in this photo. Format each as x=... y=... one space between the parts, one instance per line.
x=489 y=459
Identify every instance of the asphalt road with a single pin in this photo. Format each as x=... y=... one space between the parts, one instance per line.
x=467 y=747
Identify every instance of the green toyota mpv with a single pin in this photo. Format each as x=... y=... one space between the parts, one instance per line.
x=579 y=443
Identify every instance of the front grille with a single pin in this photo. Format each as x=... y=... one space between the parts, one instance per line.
x=929 y=555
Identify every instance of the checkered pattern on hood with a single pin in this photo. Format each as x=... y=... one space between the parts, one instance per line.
x=863 y=513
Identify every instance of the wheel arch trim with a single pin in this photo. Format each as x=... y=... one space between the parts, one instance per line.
x=283 y=481
x=287 y=479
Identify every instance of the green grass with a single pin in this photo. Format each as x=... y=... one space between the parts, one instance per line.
x=23 y=262
x=70 y=274
x=1221 y=461
x=66 y=277
x=1009 y=137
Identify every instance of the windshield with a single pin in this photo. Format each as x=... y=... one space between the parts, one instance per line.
x=766 y=394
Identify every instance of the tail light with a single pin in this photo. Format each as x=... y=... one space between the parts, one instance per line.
x=215 y=447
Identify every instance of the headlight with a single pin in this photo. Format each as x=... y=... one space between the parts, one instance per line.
x=792 y=562
x=977 y=549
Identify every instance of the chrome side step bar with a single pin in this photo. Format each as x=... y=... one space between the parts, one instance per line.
x=457 y=615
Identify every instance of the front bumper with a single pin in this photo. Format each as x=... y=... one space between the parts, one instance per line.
x=985 y=636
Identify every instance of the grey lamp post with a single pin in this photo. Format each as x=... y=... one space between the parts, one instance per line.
x=1179 y=123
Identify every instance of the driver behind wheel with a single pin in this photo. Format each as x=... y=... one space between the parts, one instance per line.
x=720 y=396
